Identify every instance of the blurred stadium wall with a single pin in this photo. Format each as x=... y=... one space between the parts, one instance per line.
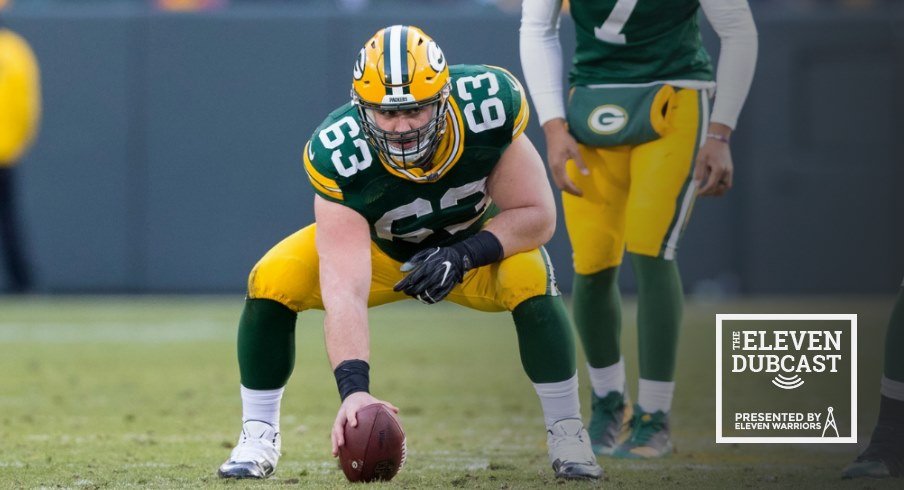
x=169 y=157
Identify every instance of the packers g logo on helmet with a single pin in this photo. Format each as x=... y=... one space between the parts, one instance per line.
x=435 y=57
x=359 y=65
x=402 y=69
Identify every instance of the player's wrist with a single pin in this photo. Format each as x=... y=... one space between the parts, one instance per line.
x=724 y=138
x=719 y=132
x=352 y=376
x=555 y=126
x=478 y=250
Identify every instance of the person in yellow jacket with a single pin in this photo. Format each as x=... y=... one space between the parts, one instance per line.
x=20 y=109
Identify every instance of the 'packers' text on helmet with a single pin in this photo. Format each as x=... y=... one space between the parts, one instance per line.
x=401 y=69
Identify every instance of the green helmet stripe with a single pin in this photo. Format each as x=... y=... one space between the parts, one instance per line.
x=395 y=60
x=403 y=52
x=387 y=55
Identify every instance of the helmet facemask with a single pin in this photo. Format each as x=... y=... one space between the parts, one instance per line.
x=411 y=149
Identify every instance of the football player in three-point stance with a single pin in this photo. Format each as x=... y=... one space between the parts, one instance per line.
x=633 y=149
x=426 y=187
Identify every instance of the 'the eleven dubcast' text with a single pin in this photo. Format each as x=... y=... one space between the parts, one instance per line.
x=802 y=342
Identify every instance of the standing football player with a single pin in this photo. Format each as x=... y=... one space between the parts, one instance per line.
x=884 y=456
x=20 y=114
x=634 y=148
x=426 y=188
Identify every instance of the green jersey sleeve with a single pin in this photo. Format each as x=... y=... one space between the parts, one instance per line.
x=335 y=153
x=517 y=101
x=492 y=103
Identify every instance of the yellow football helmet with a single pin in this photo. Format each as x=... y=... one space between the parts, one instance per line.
x=401 y=69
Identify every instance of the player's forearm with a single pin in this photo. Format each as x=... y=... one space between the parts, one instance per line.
x=345 y=285
x=343 y=246
x=345 y=330
x=523 y=229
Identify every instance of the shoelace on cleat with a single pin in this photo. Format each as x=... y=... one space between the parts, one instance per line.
x=255 y=452
x=642 y=431
x=255 y=449
x=611 y=408
x=570 y=448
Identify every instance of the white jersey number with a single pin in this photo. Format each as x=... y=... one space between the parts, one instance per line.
x=610 y=31
x=492 y=112
x=333 y=136
x=421 y=207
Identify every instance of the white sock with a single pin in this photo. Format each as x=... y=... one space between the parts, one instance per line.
x=559 y=400
x=261 y=405
x=607 y=379
x=655 y=396
x=892 y=389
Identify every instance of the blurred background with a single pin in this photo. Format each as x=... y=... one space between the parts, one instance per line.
x=168 y=159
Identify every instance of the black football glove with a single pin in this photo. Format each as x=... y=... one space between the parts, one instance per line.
x=433 y=274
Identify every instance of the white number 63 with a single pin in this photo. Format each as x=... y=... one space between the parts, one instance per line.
x=492 y=112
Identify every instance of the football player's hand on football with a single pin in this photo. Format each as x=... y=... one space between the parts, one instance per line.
x=561 y=147
x=714 y=170
x=348 y=412
x=432 y=273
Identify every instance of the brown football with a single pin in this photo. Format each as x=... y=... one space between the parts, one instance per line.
x=375 y=449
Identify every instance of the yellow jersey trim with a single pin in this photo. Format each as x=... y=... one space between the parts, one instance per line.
x=523 y=115
x=521 y=119
x=320 y=182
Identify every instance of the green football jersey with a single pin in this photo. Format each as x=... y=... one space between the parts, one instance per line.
x=638 y=41
x=487 y=109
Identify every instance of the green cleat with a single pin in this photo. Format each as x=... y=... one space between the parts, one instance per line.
x=883 y=457
x=608 y=422
x=650 y=437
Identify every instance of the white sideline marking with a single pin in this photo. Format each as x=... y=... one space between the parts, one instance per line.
x=149 y=464
x=128 y=437
x=116 y=332
x=470 y=464
x=435 y=460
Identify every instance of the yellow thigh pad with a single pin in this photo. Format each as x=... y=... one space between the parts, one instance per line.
x=504 y=285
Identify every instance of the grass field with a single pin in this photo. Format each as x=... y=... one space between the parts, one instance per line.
x=143 y=392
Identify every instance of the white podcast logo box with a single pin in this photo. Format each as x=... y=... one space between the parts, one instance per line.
x=786 y=378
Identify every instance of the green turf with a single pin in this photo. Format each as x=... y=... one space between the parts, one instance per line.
x=143 y=392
